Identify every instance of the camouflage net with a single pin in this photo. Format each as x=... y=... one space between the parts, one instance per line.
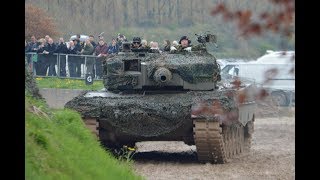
x=147 y=115
x=191 y=67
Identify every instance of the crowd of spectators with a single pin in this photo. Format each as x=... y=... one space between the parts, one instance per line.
x=45 y=54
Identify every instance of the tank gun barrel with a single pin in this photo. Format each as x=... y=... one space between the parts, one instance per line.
x=162 y=75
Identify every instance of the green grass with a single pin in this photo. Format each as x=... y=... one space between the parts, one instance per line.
x=58 y=146
x=64 y=83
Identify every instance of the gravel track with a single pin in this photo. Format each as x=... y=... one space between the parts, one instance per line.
x=272 y=156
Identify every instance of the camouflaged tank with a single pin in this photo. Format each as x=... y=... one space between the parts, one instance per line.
x=169 y=96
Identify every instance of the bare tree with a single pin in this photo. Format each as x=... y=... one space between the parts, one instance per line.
x=125 y=13
x=38 y=23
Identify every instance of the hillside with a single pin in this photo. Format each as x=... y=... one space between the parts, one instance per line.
x=58 y=146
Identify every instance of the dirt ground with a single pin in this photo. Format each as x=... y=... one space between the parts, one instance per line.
x=272 y=156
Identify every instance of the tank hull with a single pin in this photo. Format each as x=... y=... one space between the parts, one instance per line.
x=129 y=118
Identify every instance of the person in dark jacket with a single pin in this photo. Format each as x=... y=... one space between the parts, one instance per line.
x=120 y=39
x=101 y=52
x=40 y=64
x=33 y=44
x=72 y=60
x=51 y=60
x=94 y=44
x=78 y=60
x=62 y=50
x=113 y=48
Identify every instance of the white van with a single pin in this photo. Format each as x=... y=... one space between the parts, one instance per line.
x=82 y=37
x=275 y=77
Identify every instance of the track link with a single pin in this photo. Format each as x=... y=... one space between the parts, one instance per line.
x=218 y=144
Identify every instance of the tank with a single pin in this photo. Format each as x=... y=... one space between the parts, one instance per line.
x=169 y=96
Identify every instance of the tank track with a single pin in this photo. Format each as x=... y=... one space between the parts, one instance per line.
x=218 y=144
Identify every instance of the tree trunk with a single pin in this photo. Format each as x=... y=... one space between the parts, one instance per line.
x=191 y=11
x=202 y=11
x=91 y=11
x=48 y=5
x=178 y=11
x=159 y=15
x=137 y=12
x=115 y=22
x=125 y=13
x=170 y=10
x=147 y=8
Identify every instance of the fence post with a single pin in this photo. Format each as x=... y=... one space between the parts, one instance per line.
x=58 y=65
x=67 y=65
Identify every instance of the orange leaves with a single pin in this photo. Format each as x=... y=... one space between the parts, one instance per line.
x=38 y=23
x=242 y=97
x=207 y=109
x=243 y=17
x=236 y=83
x=220 y=8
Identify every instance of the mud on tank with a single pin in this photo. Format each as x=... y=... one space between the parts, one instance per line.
x=169 y=97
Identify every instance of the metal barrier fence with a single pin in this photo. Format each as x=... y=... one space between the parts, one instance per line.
x=64 y=65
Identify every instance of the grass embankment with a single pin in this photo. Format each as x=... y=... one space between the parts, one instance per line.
x=58 y=146
x=64 y=83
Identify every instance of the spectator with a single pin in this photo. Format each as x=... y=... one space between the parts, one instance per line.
x=113 y=48
x=32 y=47
x=33 y=42
x=155 y=48
x=39 y=63
x=166 y=45
x=72 y=60
x=88 y=50
x=47 y=38
x=94 y=44
x=120 y=39
x=144 y=44
x=101 y=51
x=26 y=47
x=78 y=60
x=62 y=50
x=27 y=56
x=78 y=38
x=175 y=43
x=51 y=60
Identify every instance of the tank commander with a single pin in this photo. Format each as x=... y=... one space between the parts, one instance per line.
x=136 y=43
x=184 y=45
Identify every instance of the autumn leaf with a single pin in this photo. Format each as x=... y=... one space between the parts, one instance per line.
x=38 y=23
x=236 y=83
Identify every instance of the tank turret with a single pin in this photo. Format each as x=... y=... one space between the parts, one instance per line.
x=138 y=69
